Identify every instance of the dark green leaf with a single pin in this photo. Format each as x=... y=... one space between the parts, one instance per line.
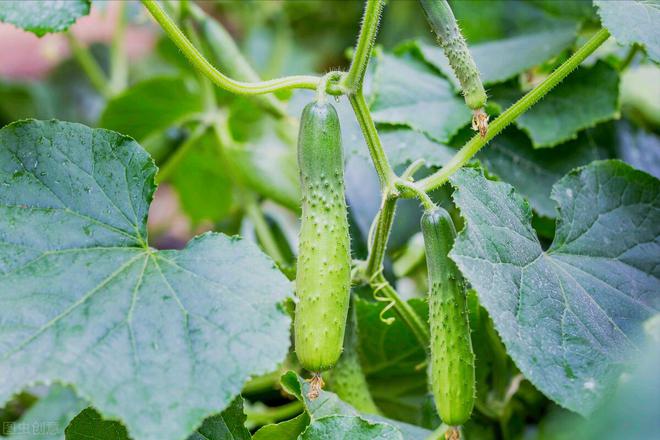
x=501 y=60
x=430 y=106
x=44 y=16
x=290 y=429
x=355 y=428
x=585 y=98
x=150 y=106
x=533 y=172
x=633 y=21
x=569 y=316
x=89 y=425
x=83 y=296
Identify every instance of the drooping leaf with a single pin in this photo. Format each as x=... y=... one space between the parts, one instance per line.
x=587 y=97
x=569 y=316
x=430 y=106
x=501 y=60
x=83 y=296
x=49 y=416
x=633 y=21
x=533 y=172
x=43 y=16
x=150 y=106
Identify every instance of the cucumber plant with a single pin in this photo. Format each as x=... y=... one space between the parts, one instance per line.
x=442 y=283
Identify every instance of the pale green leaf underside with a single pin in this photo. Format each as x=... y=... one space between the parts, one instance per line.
x=85 y=301
x=50 y=415
x=569 y=316
x=501 y=60
x=633 y=21
x=43 y=16
x=407 y=92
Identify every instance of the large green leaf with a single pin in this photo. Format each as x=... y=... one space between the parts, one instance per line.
x=43 y=16
x=569 y=316
x=533 y=172
x=633 y=21
x=84 y=300
x=49 y=416
x=501 y=60
x=407 y=92
x=585 y=98
x=151 y=106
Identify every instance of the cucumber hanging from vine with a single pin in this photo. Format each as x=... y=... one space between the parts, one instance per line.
x=449 y=36
x=324 y=262
x=451 y=367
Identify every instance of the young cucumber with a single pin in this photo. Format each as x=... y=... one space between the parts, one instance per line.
x=324 y=263
x=442 y=22
x=452 y=358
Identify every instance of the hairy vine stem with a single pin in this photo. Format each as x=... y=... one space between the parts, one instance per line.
x=203 y=65
x=477 y=142
x=372 y=11
x=89 y=65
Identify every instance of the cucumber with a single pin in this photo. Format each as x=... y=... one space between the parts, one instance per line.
x=324 y=263
x=451 y=367
x=449 y=36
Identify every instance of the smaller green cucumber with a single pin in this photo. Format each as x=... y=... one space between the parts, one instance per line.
x=451 y=368
x=449 y=36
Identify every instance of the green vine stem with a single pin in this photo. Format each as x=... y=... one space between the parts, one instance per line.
x=87 y=62
x=477 y=142
x=261 y=228
x=365 y=44
x=218 y=78
x=379 y=234
x=363 y=115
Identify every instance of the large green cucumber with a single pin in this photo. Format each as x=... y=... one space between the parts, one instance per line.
x=324 y=263
x=452 y=359
x=443 y=23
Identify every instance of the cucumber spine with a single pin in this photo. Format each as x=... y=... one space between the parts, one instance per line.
x=324 y=262
x=451 y=367
x=449 y=36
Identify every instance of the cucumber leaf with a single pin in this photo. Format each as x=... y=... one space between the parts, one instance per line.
x=332 y=418
x=151 y=106
x=83 y=296
x=569 y=316
x=633 y=21
x=42 y=17
x=49 y=416
x=587 y=97
x=532 y=172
